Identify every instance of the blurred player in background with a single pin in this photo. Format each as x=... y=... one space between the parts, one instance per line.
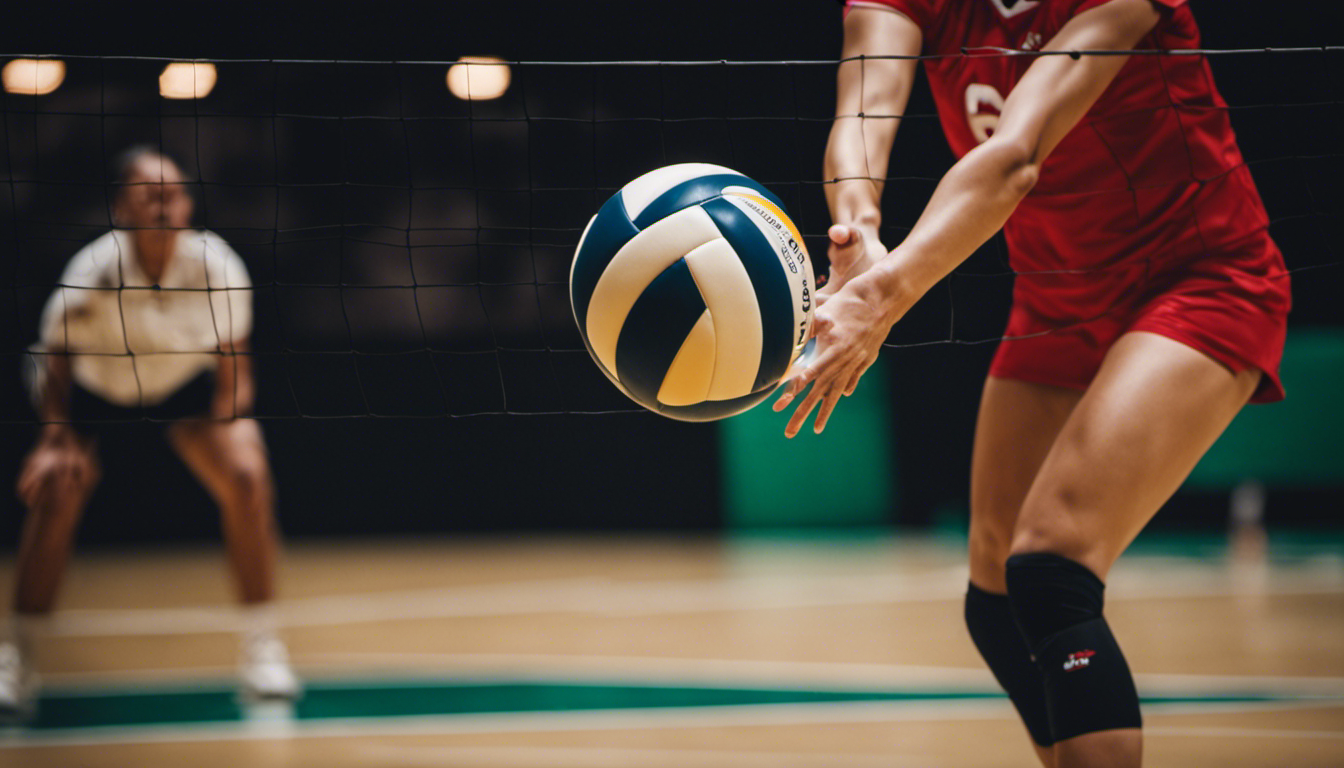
x=1149 y=306
x=148 y=322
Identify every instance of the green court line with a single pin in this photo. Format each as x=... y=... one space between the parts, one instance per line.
x=74 y=709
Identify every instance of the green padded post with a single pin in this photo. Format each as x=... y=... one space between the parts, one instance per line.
x=842 y=477
x=1298 y=442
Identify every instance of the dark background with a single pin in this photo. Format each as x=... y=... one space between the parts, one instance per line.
x=418 y=367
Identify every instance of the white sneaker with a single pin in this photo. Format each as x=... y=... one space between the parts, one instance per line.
x=18 y=686
x=264 y=669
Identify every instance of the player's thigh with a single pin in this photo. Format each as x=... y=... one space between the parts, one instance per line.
x=1014 y=430
x=1155 y=407
x=224 y=455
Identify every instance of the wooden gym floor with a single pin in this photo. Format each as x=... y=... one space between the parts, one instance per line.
x=601 y=652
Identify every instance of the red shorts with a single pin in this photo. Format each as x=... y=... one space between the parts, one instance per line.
x=1231 y=305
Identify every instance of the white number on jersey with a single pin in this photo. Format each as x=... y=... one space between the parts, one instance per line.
x=984 y=104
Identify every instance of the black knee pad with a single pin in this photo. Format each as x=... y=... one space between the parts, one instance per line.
x=989 y=618
x=1057 y=604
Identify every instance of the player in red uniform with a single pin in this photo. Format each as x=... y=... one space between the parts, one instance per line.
x=1150 y=305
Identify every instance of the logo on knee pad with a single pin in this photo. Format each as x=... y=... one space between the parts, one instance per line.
x=1078 y=660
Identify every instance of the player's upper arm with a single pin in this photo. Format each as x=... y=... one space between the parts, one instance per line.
x=876 y=86
x=230 y=293
x=80 y=282
x=871 y=94
x=1058 y=90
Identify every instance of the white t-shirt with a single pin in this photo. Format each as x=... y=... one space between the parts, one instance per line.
x=140 y=345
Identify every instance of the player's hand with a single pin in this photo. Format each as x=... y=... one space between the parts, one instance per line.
x=853 y=250
x=59 y=459
x=850 y=329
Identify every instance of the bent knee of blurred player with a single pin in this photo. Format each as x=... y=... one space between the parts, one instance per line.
x=197 y=311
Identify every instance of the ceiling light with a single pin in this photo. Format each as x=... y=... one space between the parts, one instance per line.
x=33 y=77
x=187 y=80
x=478 y=78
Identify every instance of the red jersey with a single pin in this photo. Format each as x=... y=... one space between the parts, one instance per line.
x=1148 y=183
x=1152 y=166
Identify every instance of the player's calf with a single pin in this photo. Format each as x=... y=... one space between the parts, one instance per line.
x=55 y=499
x=989 y=618
x=250 y=490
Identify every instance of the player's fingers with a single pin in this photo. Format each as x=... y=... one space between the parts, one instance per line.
x=804 y=409
x=840 y=234
x=829 y=401
x=824 y=384
x=858 y=374
x=820 y=297
x=826 y=356
x=792 y=387
x=791 y=390
x=820 y=324
x=795 y=384
x=800 y=415
x=844 y=251
x=853 y=382
x=824 y=412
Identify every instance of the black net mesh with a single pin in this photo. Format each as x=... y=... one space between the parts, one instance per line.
x=409 y=250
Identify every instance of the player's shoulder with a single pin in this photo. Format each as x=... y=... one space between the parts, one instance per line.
x=213 y=252
x=924 y=13
x=101 y=256
x=197 y=242
x=205 y=245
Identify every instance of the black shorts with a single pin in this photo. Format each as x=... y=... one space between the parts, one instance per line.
x=92 y=414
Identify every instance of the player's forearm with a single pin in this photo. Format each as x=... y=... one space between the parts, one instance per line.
x=971 y=203
x=232 y=398
x=852 y=194
x=54 y=406
x=871 y=95
x=859 y=149
x=976 y=197
x=55 y=403
x=233 y=395
x=234 y=387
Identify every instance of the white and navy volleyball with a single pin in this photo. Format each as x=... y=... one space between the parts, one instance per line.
x=693 y=291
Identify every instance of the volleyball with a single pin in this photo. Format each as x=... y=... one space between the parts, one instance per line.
x=692 y=290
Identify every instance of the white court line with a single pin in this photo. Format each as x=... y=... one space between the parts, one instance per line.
x=589 y=757
x=602 y=597
x=1239 y=733
x=655 y=670
x=527 y=722
x=579 y=720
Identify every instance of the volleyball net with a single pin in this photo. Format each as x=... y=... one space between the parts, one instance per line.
x=409 y=237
